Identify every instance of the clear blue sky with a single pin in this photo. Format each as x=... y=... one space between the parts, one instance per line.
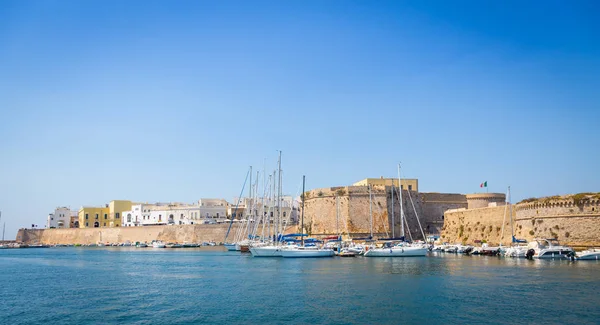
x=173 y=100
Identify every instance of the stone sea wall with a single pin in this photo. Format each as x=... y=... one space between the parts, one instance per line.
x=482 y=224
x=573 y=220
x=174 y=233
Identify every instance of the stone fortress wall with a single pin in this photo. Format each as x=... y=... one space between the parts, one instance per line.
x=173 y=233
x=572 y=219
x=321 y=217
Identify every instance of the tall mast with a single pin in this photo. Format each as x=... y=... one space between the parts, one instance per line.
x=400 y=198
x=512 y=231
x=393 y=226
x=303 y=199
x=370 y=211
x=3 y=229
x=274 y=216
x=279 y=196
x=337 y=215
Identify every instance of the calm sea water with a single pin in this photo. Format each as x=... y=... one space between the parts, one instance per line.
x=196 y=286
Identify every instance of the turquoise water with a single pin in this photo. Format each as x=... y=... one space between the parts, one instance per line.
x=197 y=286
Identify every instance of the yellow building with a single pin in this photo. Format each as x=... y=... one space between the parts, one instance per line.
x=93 y=217
x=411 y=184
x=100 y=217
x=116 y=211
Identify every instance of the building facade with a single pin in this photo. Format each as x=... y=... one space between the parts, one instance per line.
x=61 y=218
x=411 y=184
x=202 y=212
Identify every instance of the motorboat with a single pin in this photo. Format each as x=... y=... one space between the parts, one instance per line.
x=401 y=250
x=230 y=246
x=589 y=254
x=307 y=251
x=549 y=249
x=141 y=245
x=519 y=251
x=158 y=244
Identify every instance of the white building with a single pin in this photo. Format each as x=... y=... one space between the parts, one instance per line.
x=205 y=211
x=61 y=218
x=268 y=207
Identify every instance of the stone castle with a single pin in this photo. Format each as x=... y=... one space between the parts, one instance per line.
x=572 y=219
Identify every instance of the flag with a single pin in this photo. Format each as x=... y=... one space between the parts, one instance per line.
x=484 y=184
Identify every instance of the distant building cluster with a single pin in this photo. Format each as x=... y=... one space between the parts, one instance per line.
x=123 y=213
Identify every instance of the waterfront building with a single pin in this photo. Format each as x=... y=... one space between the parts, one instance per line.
x=202 y=212
x=411 y=184
x=61 y=218
x=108 y=216
x=94 y=217
x=268 y=206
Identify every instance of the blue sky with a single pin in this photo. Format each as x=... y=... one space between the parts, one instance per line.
x=172 y=101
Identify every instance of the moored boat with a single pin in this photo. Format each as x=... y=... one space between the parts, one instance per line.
x=589 y=254
x=304 y=251
x=396 y=251
x=158 y=244
x=549 y=249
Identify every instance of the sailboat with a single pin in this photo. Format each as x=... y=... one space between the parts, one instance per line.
x=232 y=246
x=515 y=250
x=401 y=249
x=302 y=250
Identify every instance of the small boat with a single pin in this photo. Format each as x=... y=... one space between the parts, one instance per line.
x=589 y=254
x=141 y=245
x=345 y=252
x=389 y=250
x=158 y=244
x=230 y=246
x=173 y=245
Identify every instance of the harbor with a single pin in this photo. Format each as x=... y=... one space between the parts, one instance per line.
x=145 y=285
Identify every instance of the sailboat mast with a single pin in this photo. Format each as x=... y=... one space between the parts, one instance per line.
x=337 y=215
x=393 y=226
x=512 y=231
x=279 y=196
x=371 y=211
x=3 y=229
x=400 y=198
x=303 y=199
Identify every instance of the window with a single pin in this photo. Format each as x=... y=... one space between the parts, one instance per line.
x=401 y=187
x=96 y=216
x=159 y=217
x=105 y=216
x=117 y=216
x=51 y=218
x=105 y=224
x=284 y=214
x=410 y=187
x=217 y=214
x=86 y=224
x=129 y=217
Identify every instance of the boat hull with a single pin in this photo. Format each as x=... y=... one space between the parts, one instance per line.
x=589 y=256
x=306 y=253
x=230 y=247
x=396 y=252
x=265 y=251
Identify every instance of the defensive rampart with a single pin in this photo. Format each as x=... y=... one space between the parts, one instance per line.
x=347 y=210
x=572 y=219
x=174 y=233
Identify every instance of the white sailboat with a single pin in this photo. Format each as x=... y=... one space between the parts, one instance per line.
x=517 y=248
x=400 y=249
x=306 y=251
